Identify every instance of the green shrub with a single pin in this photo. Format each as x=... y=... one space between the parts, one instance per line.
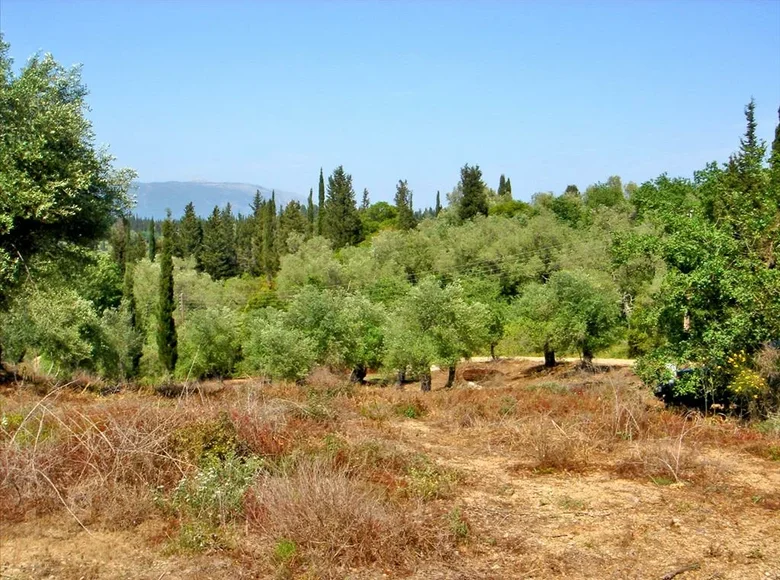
x=275 y=350
x=208 y=344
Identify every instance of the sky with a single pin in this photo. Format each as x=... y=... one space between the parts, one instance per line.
x=548 y=93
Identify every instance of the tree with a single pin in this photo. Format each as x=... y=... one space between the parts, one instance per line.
x=166 y=328
x=403 y=204
x=310 y=212
x=504 y=192
x=58 y=192
x=219 y=253
x=774 y=159
x=365 y=202
x=609 y=194
x=342 y=223
x=508 y=188
x=321 y=206
x=473 y=199
x=437 y=209
x=270 y=252
x=190 y=233
x=151 y=241
x=291 y=221
x=434 y=324
x=129 y=304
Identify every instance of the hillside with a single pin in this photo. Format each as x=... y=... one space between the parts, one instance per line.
x=154 y=198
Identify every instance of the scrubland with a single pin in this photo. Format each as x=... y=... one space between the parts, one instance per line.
x=516 y=472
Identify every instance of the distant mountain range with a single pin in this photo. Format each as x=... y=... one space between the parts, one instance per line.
x=154 y=198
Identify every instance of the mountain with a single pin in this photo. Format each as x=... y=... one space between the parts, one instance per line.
x=153 y=199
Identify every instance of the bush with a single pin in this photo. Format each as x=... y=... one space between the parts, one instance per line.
x=275 y=350
x=208 y=344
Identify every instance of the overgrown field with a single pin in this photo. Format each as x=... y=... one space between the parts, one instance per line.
x=516 y=472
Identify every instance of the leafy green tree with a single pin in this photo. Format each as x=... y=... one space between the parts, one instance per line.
x=403 y=205
x=473 y=200
x=275 y=349
x=342 y=223
x=132 y=345
x=434 y=324
x=533 y=322
x=321 y=206
x=166 y=328
x=366 y=322
x=151 y=240
x=58 y=192
x=209 y=344
x=609 y=194
x=378 y=216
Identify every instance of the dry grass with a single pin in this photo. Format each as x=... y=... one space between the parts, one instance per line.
x=343 y=480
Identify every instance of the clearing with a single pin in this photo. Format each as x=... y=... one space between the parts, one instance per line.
x=517 y=472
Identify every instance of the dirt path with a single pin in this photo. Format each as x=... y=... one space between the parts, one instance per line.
x=602 y=362
x=594 y=525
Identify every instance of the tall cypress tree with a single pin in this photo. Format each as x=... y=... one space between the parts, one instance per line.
x=508 y=188
x=365 y=202
x=501 y=186
x=774 y=160
x=270 y=256
x=403 y=203
x=437 y=209
x=321 y=205
x=151 y=241
x=474 y=199
x=310 y=211
x=128 y=299
x=341 y=222
x=258 y=211
x=166 y=328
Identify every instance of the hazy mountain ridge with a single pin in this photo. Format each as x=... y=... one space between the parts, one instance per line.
x=154 y=198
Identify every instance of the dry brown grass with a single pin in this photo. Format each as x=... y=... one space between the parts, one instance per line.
x=475 y=481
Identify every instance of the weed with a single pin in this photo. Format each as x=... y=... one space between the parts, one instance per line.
x=285 y=551
x=459 y=526
x=428 y=481
x=413 y=409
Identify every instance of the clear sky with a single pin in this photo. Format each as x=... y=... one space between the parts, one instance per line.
x=549 y=93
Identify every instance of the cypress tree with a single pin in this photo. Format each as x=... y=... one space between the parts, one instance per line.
x=292 y=219
x=270 y=256
x=474 y=198
x=166 y=328
x=437 y=209
x=501 y=186
x=508 y=188
x=219 y=252
x=341 y=223
x=403 y=203
x=365 y=202
x=128 y=298
x=151 y=241
x=310 y=211
x=321 y=205
x=774 y=160
x=258 y=211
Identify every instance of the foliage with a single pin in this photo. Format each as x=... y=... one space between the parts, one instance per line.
x=276 y=350
x=59 y=191
x=341 y=223
x=166 y=327
x=403 y=205
x=208 y=344
x=473 y=198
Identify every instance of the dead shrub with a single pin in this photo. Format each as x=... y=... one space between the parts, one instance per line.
x=554 y=447
x=334 y=520
x=664 y=461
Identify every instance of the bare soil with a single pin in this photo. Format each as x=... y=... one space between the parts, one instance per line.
x=557 y=477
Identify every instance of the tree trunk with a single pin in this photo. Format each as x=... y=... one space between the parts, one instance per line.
x=587 y=357
x=450 y=377
x=549 y=356
x=493 y=351
x=400 y=379
x=358 y=374
x=425 y=381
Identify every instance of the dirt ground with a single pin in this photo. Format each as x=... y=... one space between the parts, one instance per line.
x=588 y=519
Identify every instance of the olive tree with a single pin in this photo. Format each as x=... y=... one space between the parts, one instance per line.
x=434 y=325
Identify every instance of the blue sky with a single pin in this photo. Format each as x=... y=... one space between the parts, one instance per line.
x=549 y=93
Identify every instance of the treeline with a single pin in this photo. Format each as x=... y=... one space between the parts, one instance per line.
x=679 y=272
